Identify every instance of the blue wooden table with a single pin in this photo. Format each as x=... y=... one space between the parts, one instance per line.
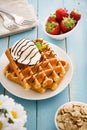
x=41 y=113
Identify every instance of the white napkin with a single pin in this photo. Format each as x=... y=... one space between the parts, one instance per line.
x=21 y=8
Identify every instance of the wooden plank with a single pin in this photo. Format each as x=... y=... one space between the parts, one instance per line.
x=42 y=14
x=1 y=89
x=28 y=104
x=46 y=108
x=3 y=46
x=77 y=49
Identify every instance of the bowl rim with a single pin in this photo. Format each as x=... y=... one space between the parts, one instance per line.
x=71 y=102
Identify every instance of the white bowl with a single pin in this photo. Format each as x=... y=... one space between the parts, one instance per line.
x=75 y=113
x=59 y=36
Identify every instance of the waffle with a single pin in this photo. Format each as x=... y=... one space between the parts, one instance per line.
x=47 y=74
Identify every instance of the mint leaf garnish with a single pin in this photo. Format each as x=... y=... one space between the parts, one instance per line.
x=39 y=46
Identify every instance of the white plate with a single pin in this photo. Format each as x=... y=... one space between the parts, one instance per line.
x=17 y=90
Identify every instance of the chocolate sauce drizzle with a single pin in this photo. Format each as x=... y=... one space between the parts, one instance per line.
x=21 y=41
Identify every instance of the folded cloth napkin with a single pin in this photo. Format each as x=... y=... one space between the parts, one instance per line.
x=21 y=8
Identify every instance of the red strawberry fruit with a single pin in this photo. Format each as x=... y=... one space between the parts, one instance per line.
x=53 y=28
x=61 y=13
x=75 y=14
x=67 y=24
x=52 y=18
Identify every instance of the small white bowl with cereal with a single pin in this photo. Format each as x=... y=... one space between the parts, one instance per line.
x=71 y=116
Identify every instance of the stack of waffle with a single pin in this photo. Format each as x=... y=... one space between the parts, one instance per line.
x=47 y=74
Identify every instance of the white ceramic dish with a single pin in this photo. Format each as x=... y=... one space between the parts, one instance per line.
x=31 y=95
x=68 y=103
x=60 y=36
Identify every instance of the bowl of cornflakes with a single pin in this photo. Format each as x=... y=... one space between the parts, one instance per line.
x=71 y=116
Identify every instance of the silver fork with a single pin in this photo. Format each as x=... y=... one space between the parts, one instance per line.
x=8 y=23
x=19 y=19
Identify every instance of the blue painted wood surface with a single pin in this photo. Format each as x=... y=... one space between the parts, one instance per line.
x=41 y=113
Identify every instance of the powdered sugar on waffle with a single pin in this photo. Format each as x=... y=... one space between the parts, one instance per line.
x=25 y=52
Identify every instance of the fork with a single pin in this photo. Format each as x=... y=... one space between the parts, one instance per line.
x=8 y=23
x=19 y=19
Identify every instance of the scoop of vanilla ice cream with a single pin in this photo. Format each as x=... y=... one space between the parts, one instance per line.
x=25 y=52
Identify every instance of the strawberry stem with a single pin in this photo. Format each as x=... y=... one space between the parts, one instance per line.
x=50 y=26
x=69 y=22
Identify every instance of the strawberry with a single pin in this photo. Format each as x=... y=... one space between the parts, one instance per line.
x=52 y=18
x=61 y=13
x=67 y=24
x=75 y=14
x=53 y=28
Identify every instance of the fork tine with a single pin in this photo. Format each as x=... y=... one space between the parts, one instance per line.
x=26 y=22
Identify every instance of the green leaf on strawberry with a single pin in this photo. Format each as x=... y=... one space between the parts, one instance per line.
x=75 y=14
x=52 y=18
x=67 y=24
x=53 y=28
